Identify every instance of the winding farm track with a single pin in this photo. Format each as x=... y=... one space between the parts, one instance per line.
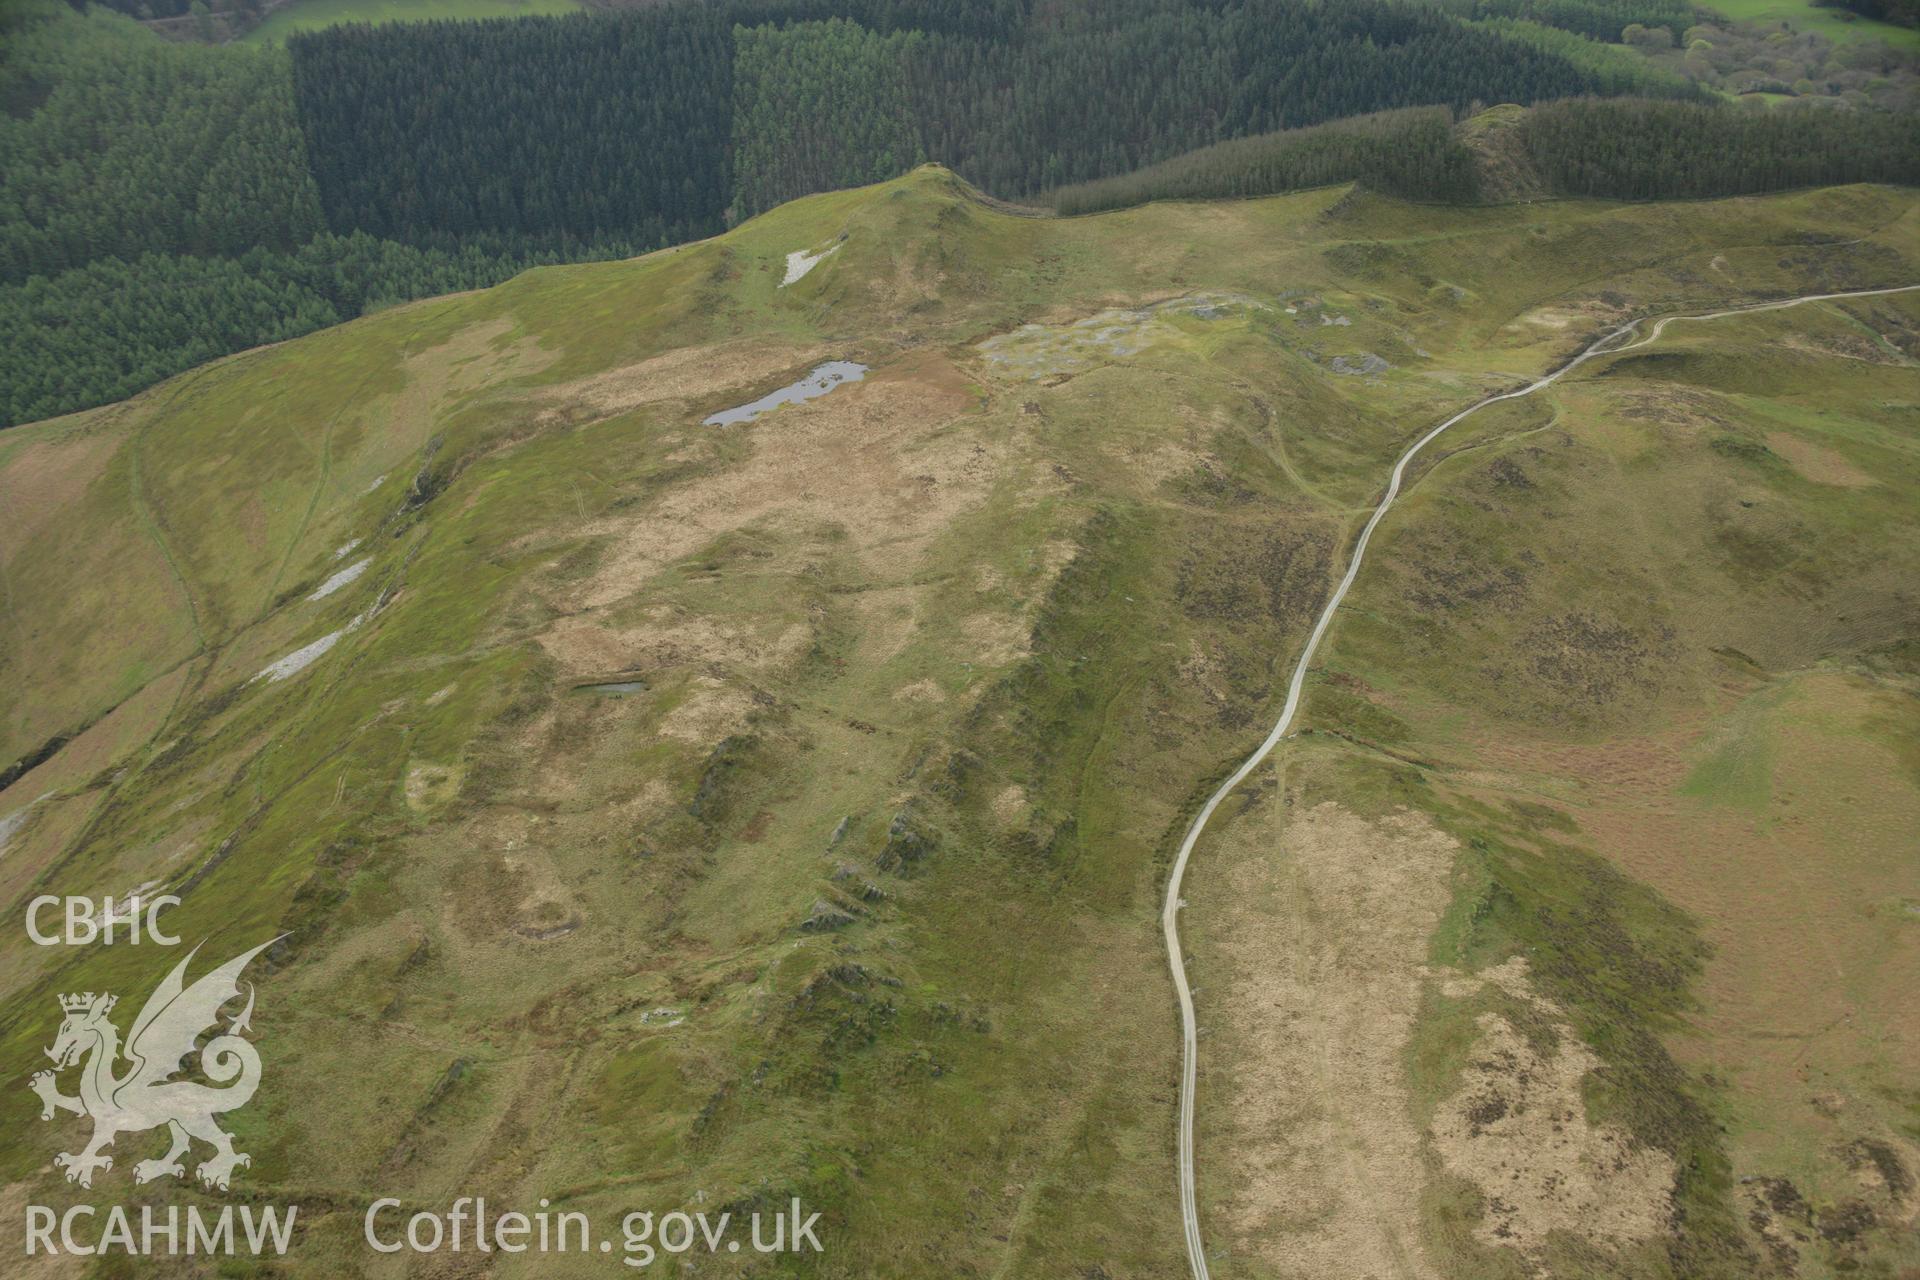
x=1169 y=915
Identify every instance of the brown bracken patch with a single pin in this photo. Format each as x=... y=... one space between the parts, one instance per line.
x=1518 y=1131
x=1325 y=931
x=1818 y=463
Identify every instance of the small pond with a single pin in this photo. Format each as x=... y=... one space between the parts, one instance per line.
x=614 y=688
x=823 y=379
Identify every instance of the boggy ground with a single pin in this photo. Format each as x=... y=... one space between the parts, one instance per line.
x=849 y=891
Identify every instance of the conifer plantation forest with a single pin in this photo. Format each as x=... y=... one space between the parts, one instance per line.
x=236 y=195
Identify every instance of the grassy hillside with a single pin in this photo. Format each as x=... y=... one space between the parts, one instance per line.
x=848 y=892
x=1622 y=723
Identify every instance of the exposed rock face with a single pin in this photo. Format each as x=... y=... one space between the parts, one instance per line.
x=1359 y=366
x=825 y=918
x=906 y=843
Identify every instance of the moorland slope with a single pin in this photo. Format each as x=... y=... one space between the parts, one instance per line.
x=664 y=815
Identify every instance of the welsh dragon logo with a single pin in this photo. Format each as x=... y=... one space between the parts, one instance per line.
x=145 y=1096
